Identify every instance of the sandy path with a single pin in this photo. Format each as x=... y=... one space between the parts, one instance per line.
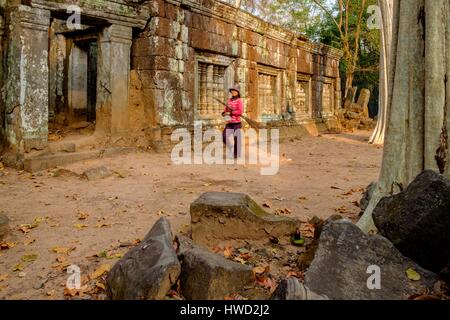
x=321 y=171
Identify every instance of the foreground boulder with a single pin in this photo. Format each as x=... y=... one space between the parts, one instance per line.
x=292 y=289
x=222 y=216
x=4 y=225
x=340 y=267
x=97 y=173
x=147 y=271
x=208 y=276
x=417 y=220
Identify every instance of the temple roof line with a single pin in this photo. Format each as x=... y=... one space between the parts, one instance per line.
x=241 y=18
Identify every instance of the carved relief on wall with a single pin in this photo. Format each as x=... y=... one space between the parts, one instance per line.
x=211 y=87
x=302 y=96
x=213 y=77
x=327 y=97
x=268 y=92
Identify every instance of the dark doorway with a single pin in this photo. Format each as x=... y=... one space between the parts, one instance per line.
x=92 y=82
x=82 y=78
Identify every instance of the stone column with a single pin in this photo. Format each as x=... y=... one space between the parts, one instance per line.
x=27 y=79
x=2 y=102
x=113 y=80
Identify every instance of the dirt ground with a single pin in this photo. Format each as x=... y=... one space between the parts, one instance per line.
x=57 y=221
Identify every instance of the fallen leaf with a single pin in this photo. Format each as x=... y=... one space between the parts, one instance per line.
x=236 y=296
x=3 y=277
x=27 y=227
x=356 y=204
x=245 y=256
x=80 y=225
x=50 y=293
x=238 y=259
x=341 y=209
x=74 y=292
x=7 y=245
x=82 y=215
x=228 y=252
x=283 y=211
x=216 y=249
x=103 y=225
x=100 y=285
x=295 y=274
x=28 y=242
x=100 y=271
x=261 y=269
x=264 y=281
x=61 y=259
x=62 y=250
x=29 y=257
x=18 y=267
x=413 y=274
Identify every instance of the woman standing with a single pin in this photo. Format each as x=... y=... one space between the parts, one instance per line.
x=234 y=110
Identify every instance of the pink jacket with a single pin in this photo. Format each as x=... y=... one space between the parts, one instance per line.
x=238 y=109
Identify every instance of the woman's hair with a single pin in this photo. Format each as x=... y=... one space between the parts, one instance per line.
x=238 y=94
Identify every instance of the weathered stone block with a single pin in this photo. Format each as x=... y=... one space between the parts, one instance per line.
x=157 y=8
x=341 y=263
x=208 y=276
x=184 y=34
x=221 y=216
x=201 y=22
x=97 y=173
x=417 y=220
x=292 y=289
x=147 y=271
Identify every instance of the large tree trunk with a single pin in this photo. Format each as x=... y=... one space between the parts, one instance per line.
x=419 y=98
x=386 y=7
x=349 y=76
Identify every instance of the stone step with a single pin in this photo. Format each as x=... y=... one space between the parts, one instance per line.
x=44 y=162
x=223 y=216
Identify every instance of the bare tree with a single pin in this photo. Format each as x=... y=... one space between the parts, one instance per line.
x=350 y=38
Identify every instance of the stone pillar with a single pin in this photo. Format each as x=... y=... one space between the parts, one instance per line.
x=2 y=102
x=27 y=79
x=113 y=80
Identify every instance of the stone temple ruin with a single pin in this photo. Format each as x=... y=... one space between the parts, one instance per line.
x=134 y=70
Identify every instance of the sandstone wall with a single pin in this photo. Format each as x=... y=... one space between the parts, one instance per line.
x=184 y=36
x=160 y=65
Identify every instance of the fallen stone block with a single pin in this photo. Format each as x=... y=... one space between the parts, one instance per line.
x=4 y=226
x=69 y=147
x=208 y=276
x=97 y=173
x=351 y=265
x=292 y=289
x=222 y=216
x=148 y=271
x=417 y=220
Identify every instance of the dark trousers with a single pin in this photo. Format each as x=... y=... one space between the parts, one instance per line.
x=233 y=129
